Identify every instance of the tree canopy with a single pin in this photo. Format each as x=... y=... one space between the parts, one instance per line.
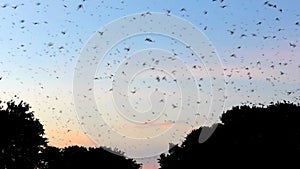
x=21 y=137
x=82 y=157
x=248 y=136
x=23 y=146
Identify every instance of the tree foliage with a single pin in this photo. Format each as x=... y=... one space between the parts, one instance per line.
x=23 y=146
x=82 y=157
x=247 y=137
x=21 y=137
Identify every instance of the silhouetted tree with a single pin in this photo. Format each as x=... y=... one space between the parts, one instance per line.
x=21 y=139
x=247 y=137
x=51 y=157
x=22 y=146
x=80 y=157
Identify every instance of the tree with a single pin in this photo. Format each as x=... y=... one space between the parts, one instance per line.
x=247 y=137
x=22 y=146
x=51 y=158
x=21 y=137
x=81 y=157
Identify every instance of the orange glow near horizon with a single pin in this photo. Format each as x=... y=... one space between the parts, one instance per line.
x=64 y=138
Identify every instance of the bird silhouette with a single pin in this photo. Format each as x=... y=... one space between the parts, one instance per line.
x=292 y=45
x=80 y=6
x=149 y=40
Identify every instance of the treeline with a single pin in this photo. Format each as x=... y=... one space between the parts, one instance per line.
x=81 y=157
x=23 y=146
x=247 y=137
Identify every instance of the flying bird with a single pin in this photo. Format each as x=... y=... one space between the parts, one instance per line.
x=79 y=6
x=4 y=6
x=182 y=9
x=158 y=79
x=100 y=33
x=174 y=106
x=292 y=45
x=231 y=32
x=149 y=40
x=243 y=35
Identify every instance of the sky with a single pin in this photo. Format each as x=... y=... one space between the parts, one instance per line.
x=43 y=44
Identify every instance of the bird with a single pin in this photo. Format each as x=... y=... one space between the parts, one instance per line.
x=4 y=6
x=149 y=40
x=231 y=32
x=15 y=7
x=79 y=6
x=233 y=55
x=100 y=33
x=243 y=35
x=292 y=45
x=174 y=106
x=182 y=9
x=158 y=79
x=265 y=37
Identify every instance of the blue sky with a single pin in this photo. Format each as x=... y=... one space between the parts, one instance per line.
x=41 y=42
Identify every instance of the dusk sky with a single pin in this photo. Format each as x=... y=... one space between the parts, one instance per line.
x=43 y=43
